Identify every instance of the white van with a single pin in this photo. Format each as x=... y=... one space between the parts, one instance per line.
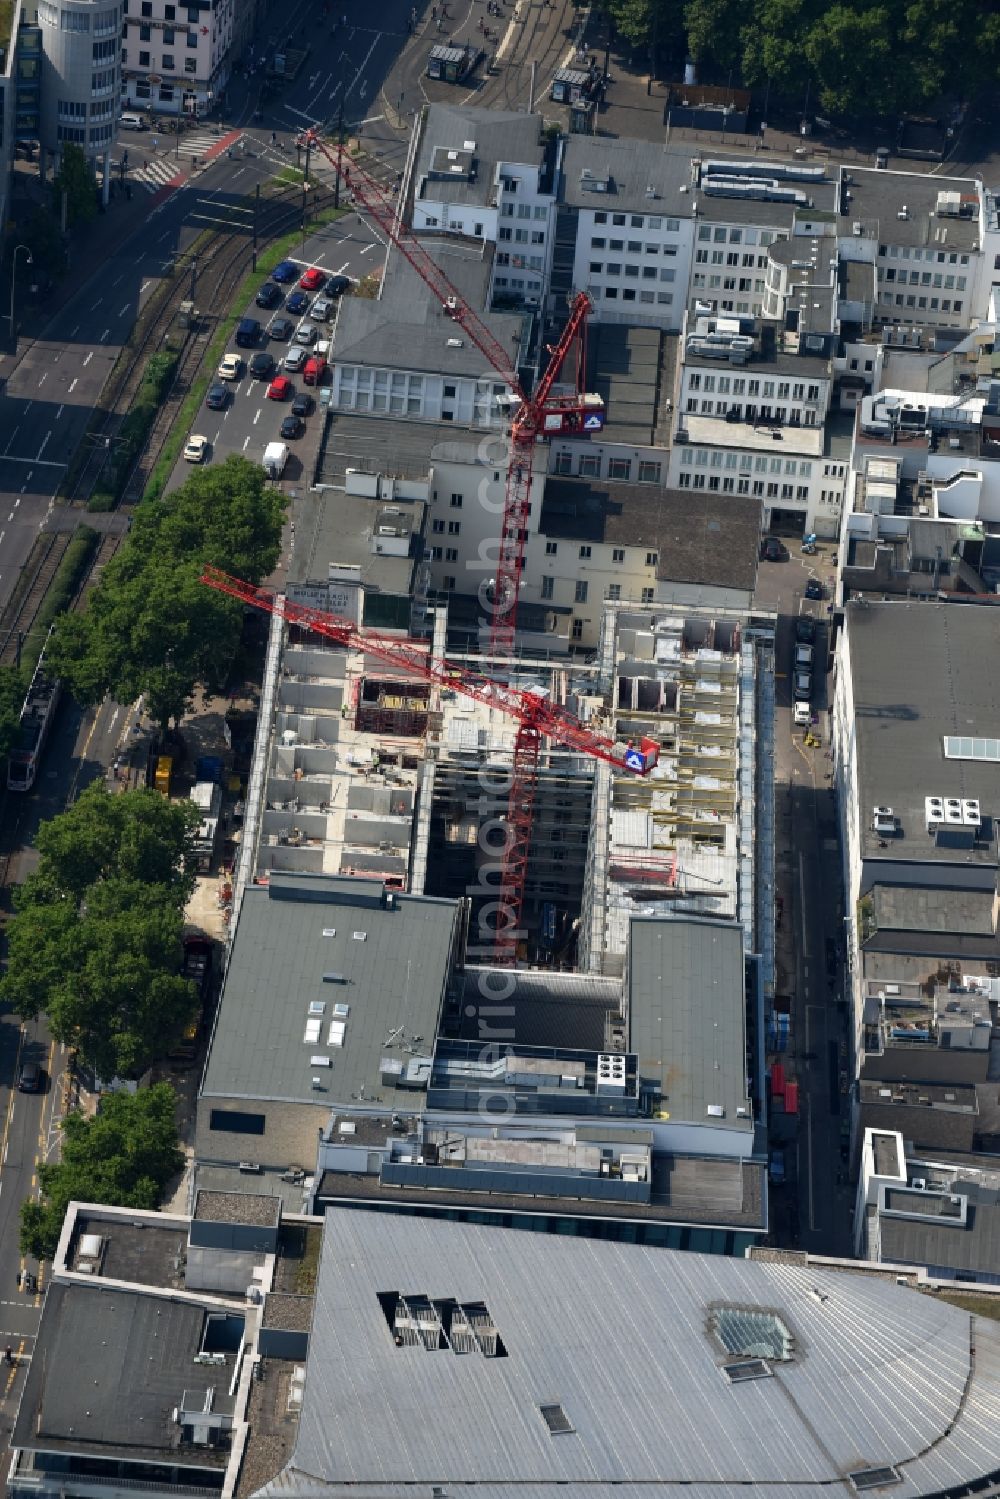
x=131 y=122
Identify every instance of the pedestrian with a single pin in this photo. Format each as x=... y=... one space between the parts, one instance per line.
x=156 y=143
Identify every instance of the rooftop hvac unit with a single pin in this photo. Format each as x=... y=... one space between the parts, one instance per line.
x=933 y=811
x=970 y=812
x=251 y=1168
x=884 y=819
x=610 y=1072
x=918 y=1184
x=952 y=810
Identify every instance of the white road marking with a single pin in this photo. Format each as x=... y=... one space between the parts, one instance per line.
x=99 y=301
x=70 y=391
x=43 y=379
x=75 y=331
x=125 y=309
x=11 y=516
x=104 y=335
x=59 y=413
x=11 y=438
x=17 y=502
x=41 y=450
x=257 y=413
x=88 y=359
x=802 y=904
x=373 y=119
x=366 y=248
x=343 y=268
x=120 y=279
x=246 y=443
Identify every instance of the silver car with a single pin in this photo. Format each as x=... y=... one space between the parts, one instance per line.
x=306 y=333
x=294 y=360
x=321 y=309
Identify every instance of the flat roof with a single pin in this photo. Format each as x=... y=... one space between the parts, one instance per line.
x=698 y=537
x=483 y=138
x=878 y=198
x=609 y=1374
x=139 y=1250
x=632 y=369
x=630 y=168
x=336 y=529
x=914 y=908
x=543 y=1007
x=780 y=442
x=109 y=1369
x=685 y=1191
x=686 y=1015
x=253 y=1208
x=310 y=939
x=921 y=671
x=406 y=328
x=946 y=1242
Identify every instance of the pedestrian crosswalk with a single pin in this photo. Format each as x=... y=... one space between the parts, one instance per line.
x=155 y=174
x=198 y=143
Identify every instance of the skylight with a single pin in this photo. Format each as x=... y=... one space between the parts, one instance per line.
x=748 y=1332
x=959 y=747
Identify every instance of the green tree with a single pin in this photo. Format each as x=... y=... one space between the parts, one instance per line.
x=43 y=237
x=123 y=1157
x=150 y=626
x=95 y=941
x=75 y=178
x=12 y=689
x=772 y=46
x=849 y=49
x=714 y=30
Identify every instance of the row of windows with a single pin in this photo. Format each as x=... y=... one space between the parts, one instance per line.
x=610 y=294
x=728 y=283
x=165 y=94
x=746 y=462
x=614 y=268
x=639 y=221
x=524 y=211
x=589 y=466
x=634 y=246
x=757 y=487
x=721 y=236
x=925 y=278
x=730 y=257
x=521 y=236
x=169 y=36
x=736 y=412
x=454 y=527
x=783 y=389
x=193 y=12
x=946 y=303
x=907 y=252
x=166 y=62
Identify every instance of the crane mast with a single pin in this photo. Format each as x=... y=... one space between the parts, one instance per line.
x=542 y=414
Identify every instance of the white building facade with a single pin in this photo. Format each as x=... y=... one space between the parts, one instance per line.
x=176 y=57
x=81 y=77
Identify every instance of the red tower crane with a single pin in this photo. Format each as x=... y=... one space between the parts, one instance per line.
x=544 y=413
x=535 y=715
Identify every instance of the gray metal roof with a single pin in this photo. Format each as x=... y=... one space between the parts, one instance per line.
x=405 y=327
x=393 y=978
x=110 y=1366
x=686 y=1012
x=337 y=529
x=617 y=1336
x=498 y=136
x=922 y=671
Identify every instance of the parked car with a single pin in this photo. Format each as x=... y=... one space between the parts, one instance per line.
x=298 y=302
x=306 y=334
x=802 y=715
x=802 y=686
x=337 y=285
x=773 y=550
x=262 y=366
x=280 y=389
x=303 y=405
x=285 y=272
x=248 y=333
x=281 y=329
x=269 y=295
x=776 y=1167
x=217 y=398
x=294 y=359
x=231 y=367
x=815 y=589
x=29 y=1079
x=292 y=426
x=805 y=628
x=312 y=279
x=321 y=309
x=314 y=371
x=195 y=449
x=803 y=657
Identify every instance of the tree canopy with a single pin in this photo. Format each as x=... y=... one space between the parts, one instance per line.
x=150 y=627
x=123 y=1157
x=75 y=178
x=867 y=58
x=95 y=941
x=12 y=690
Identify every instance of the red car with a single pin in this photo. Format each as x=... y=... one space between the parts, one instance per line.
x=280 y=389
x=314 y=372
x=312 y=280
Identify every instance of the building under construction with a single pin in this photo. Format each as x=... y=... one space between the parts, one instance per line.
x=364 y=771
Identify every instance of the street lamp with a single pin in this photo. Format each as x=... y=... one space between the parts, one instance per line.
x=13 y=274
